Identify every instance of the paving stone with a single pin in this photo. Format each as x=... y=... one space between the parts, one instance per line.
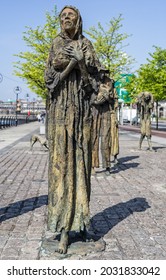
x=128 y=209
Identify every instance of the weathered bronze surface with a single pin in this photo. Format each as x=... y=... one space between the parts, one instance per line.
x=71 y=78
x=37 y=138
x=105 y=125
x=76 y=246
x=145 y=105
x=114 y=126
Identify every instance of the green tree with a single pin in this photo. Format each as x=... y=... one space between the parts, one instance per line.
x=132 y=87
x=109 y=46
x=151 y=77
x=31 y=65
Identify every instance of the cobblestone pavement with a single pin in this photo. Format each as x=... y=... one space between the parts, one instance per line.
x=154 y=132
x=128 y=209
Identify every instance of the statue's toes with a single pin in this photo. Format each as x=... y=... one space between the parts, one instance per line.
x=62 y=249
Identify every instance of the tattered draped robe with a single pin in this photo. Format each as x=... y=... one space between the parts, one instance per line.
x=105 y=126
x=69 y=136
x=145 y=109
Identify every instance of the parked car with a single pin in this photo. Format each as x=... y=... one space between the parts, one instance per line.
x=126 y=121
x=135 y=120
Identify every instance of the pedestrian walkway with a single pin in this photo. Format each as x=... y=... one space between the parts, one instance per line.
x=158 y=136
x=9 y=136
x=128 y=209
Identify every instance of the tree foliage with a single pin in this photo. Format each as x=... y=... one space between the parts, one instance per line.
x=151 y=76
x=109 y=46
x=31 y=65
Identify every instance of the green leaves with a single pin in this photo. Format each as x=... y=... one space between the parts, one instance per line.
x=31 y=64
x=109 y=46
x=151 y=76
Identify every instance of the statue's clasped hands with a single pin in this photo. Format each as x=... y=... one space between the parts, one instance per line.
x=75 y=52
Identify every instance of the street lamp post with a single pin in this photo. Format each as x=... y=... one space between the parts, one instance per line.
x=17 y=91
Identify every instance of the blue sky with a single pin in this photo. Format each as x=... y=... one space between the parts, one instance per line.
x=145 y=20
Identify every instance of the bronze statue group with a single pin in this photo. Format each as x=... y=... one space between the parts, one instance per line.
x=82 y=108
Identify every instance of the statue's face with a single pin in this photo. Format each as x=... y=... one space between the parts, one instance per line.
x=147 y=98
x=68 y=19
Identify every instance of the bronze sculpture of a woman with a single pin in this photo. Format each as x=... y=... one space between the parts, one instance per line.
x=145 y=105
x=70 y=79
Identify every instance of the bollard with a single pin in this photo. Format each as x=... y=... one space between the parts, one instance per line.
x=12 y=121
x=7 y=122
x=2 y=122
x=16 y=122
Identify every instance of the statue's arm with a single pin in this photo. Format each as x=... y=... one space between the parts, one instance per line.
x=68 y=69
x=56 y=73
x=77 y=53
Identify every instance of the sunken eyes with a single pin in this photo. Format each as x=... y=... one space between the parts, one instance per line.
x=70 y=14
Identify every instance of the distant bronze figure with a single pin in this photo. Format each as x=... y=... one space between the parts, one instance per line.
x=114 y=126
x=145 y=106
x=105 y=124
x=70 y=79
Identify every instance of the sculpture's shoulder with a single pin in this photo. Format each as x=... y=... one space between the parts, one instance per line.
x=57 y=41
x=90 y=53
x=87 y=42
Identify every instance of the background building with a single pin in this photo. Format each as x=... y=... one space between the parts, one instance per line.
x=22 y=106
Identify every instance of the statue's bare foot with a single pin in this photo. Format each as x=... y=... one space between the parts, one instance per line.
x=63 y=244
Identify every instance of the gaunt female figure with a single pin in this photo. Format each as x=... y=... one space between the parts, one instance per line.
x=70 y=79
x=145 y=105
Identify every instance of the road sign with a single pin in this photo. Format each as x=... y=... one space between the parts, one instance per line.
x=123 y=94
x=120 y=87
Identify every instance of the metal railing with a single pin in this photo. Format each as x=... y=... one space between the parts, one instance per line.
x=8 y=121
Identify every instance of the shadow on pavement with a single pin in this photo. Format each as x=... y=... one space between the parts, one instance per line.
x=101 y=223
x=104 y=221
x=158 y=148
x=122 y=167
x=124 y=159
x=21 y=207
